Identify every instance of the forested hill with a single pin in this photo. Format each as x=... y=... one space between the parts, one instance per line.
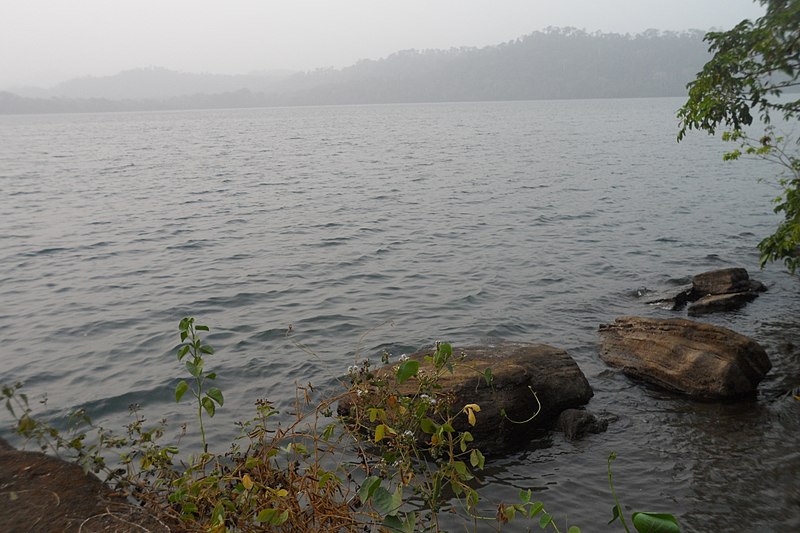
x=554 y=63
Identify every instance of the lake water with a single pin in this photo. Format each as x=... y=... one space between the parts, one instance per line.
x=389 y=227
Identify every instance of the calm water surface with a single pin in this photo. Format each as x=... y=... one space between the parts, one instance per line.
x=523 y=221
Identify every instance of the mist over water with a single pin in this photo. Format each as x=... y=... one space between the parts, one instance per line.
x=389 y=227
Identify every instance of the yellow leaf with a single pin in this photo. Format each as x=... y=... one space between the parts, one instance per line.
x=247 y=481
x=470 y=409
x=380 y=432
x=281 y=493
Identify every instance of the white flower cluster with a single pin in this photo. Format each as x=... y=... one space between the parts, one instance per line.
x=431 y=401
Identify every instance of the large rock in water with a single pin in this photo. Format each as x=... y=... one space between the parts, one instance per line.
x=725 y=289
x=722 y=281
x=517 y=369
x=703 y=361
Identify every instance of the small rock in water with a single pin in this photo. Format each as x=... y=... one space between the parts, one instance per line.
x=576 y=423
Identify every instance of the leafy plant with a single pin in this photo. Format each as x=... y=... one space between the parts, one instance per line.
x=753 y=64
x=395 y=464
x=192 y=345
x=411 y=424
x=643 y=522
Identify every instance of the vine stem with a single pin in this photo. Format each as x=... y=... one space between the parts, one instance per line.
x=614 y=493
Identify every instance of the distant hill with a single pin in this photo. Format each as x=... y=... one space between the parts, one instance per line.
x=553 y=63
x=156 y=83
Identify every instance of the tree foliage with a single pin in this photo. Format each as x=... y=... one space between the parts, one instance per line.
x=752 y=66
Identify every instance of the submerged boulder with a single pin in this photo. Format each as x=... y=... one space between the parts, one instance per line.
x=700 y=360
x=518 y=371
x=724 y=289
x=576 y=423
x=720 y=302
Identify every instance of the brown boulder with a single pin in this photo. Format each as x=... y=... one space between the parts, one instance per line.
x=518 y=369
x=700 y=360
x=40 y=493
x=725 y=281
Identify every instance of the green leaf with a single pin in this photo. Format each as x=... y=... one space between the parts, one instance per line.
x=386 y=503
x=615 y=509
x=368 y=487
x=655 y=523
x=216 y=395
x=195 y=369
x=574 y=529
x=536 y=508
x=184 y=334
x=428 y=426
x=328 y=432
x=207 y=349
x=488 y=377
x=406 y=370
x=180 y=390
x=208 y=405
x=201 y=328
x=211 y=375
x=525 y=495
x=393 y=523
x=545 y=520
x=182 y=352
x=511 y=512
x=462 y=470
x=272 y=516
x=476 y=458
x=407 y=525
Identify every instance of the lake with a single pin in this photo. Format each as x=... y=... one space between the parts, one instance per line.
x=372 y=228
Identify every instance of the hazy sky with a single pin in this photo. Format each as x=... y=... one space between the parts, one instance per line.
x=46 y=41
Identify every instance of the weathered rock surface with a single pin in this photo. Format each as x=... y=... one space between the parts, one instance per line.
x=40 y=493
x=577 y=423
x=725 y=289
x=700 y=360
x=722 y=281
x=517 y=369
x=720 y=302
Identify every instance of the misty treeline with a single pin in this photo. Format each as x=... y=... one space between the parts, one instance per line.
x=553 y=63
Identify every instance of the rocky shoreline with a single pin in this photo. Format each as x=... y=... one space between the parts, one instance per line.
x=701 y=361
